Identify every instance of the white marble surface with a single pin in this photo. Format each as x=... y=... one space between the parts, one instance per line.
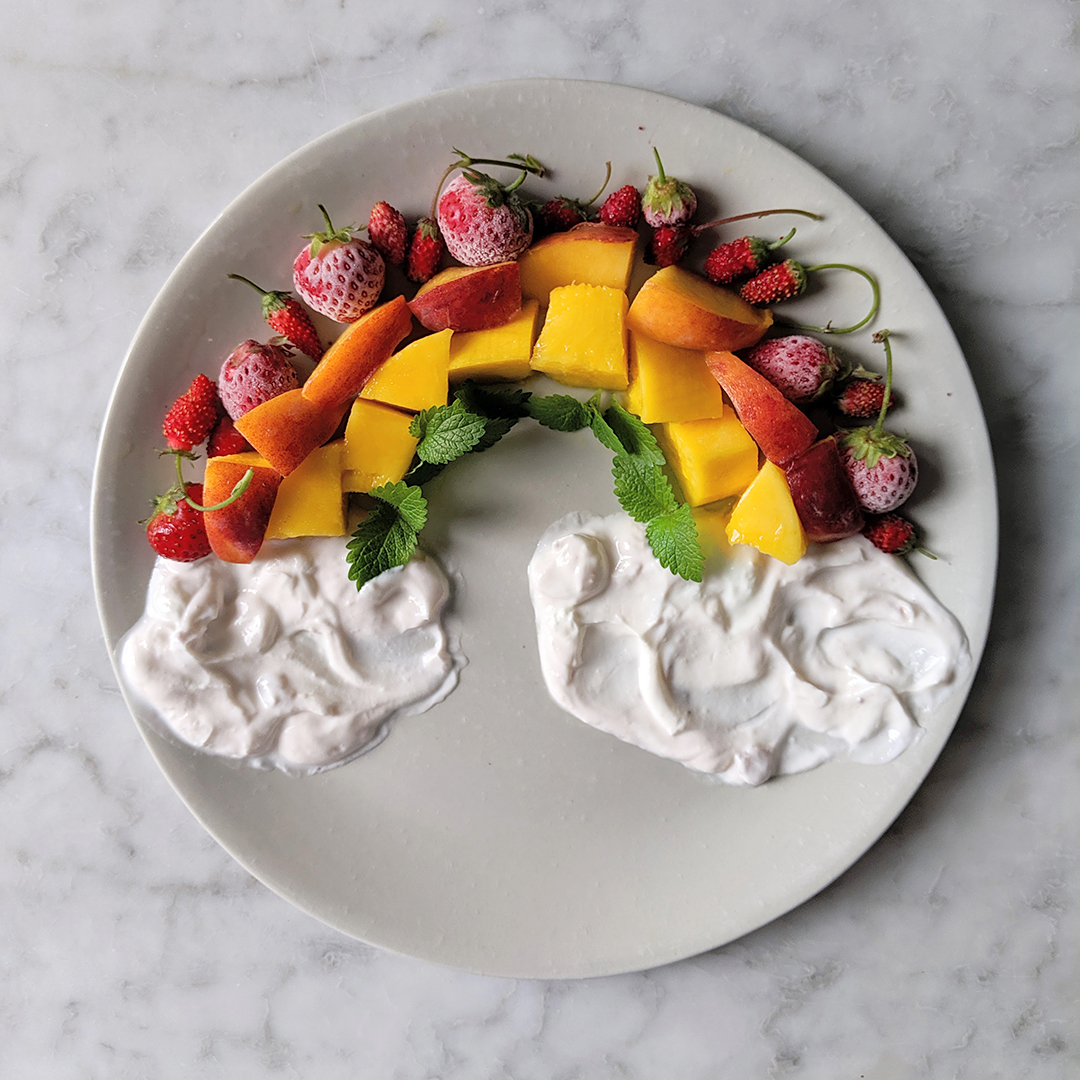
x=131 y=946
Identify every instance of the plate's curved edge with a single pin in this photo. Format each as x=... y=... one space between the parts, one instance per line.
x=978 y=637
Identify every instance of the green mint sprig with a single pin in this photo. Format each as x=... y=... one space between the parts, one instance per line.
x=388 y=536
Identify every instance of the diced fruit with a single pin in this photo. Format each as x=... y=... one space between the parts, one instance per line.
x=310 y=501
x=362 y=347
x=712 y=522
x=778 y=427
x=469 y=297
x=681 y=308
x=822 y=494
x=765 y=518
x=502 y=353
x=589 y=254
x=668 y=383
x=288 y=427
x=583 y=342
x=236 y=531
x=711 y=459
x=416 y=377
x=378 y=446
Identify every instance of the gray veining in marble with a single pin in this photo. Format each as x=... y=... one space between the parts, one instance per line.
x=131 y=946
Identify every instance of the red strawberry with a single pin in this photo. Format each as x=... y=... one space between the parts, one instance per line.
x=193 y=415
x=482 y=221
x=780 y=282
x=286 y=316
x=740 y=258
x=388 y=232
x=800 y=367
x=338 y=275
x=668 y=244
x=563 y=213
x=891 y=533
x=225 y=439
x=176 y=531
x=425 y=251
x=667 y=201
x=862 y=398
x=881 y=466
x=622 y=207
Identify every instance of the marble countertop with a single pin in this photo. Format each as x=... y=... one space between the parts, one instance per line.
x=132 y=946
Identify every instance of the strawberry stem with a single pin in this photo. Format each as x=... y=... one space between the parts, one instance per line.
x=661 y=175
x=607 y=177
x=526 y=162
x=781 y=242
x=699 y=229
x=247 y=281
x=239 y=487
x=882 y=338
x=828 y=328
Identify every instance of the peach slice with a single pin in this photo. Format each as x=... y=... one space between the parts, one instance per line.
x=288 y=427
x=589 y=254
x=360 y=350
x=236 y=531
x=683 y=309
x=822 y=493
x=469 y=297
x=778 y=427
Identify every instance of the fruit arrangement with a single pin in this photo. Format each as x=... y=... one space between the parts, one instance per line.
x=755 y=428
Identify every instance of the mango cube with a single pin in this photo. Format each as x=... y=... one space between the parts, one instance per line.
x=670 y=384
x=414 y=378
x=501 y=353
x=583 y=342
x=711 y=459
x=765 y=517
x=310 y=501
x=378 y=447
x=712 y=522
x=589 y=254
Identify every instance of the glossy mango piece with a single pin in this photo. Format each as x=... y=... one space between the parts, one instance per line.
x=378 y=447
x=497 y=355
x=711 y=458
x=670 y=384
x=310 y=501
x=765 y=517
x=414 y=378
x=583 y=341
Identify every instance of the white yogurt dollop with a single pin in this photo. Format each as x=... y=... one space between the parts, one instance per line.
x=283 y=661
x=762 y=669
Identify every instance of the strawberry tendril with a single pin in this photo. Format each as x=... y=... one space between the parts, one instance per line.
x=525 y=162
x=828 y=328
x=239 y=487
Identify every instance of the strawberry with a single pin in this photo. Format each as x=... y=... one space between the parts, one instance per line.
x=482 y=221
x=622 y=207
x=862 y=398
x=425 y=251
x=667 y=201
x=176 y=530
x=668 y=244
x=388 y=232
x=800 y=367
x=253 y=373
x=891 y=533
x=563 y=213
x=193 y=415
x=338 y=275
x=225 y=439
x=881 y=466
x=740 y=258
x=286 y=316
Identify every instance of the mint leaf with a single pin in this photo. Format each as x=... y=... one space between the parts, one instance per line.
x=382 y=541
x=560 y=412
x=602 y=430
x=446 y=432
x=642 y=489
x=673 y=538
x=501 y=410
x=635 y=436
x=407 y=500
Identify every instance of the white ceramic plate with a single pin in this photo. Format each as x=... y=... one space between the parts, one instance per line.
x=495 y=832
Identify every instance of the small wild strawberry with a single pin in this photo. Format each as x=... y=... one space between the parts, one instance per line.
x=668 y=244
x=286 y=316
x=193 y=415
x=667 y=201
x=741 y=258
x=425 y=251
x=622 y=208
x=387 y=231
x=563 y=213
x=176 y=530
x=225 y=439
x=862 y=398
x=891 y=533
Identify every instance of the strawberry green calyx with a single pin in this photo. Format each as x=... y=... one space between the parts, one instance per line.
x=667 y=201
x=525 y=162
x=871 y=444
x=330 y=235
x=272 y=299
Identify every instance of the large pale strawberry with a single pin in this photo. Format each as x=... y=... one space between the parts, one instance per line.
x=800 y=367
x=483 y=222
x=338 y=274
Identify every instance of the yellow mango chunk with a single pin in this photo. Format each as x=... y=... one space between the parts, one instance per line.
x=668 y=383
x=501 y=353
x=712 y=523
x=765 y=517
x=589 y=254
x=378 y=446
x=711 y=459
x=583 y=342
x=310 y=501
x=414 y=378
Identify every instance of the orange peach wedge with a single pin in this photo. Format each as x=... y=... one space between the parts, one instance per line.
x=469 y=297
x=288 y=427
x=680 y=308
x=360 y=350
x=236 y=531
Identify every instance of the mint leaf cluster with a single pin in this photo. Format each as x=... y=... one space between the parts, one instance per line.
x=641 y=486
x=388 y=536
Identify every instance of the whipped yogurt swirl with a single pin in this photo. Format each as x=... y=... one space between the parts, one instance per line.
x=283 y=661
x=762 y=669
